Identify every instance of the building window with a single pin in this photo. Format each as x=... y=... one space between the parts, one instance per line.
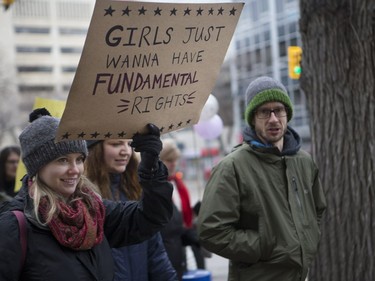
x=71 y=50
x=279 y=6
x=263 y=5
x=298 y=99
x=69 y=68
x=254 y=11
x=34 y=68
x=268 y=56
x=293 y=42
x=238 y=44
x=32 y=30
x=35 y=88
x=258 y=56
x=282 y=48
x=267 y=35
x=66 y=88
x=292 y=27
x=256 y=39
x=72 y=31
x=284 y=76
x=247 y=41
x=33 y=49
x=248 y=61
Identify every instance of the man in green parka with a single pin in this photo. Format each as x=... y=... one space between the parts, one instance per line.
x=263 y=203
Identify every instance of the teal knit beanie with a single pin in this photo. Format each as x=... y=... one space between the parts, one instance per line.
x=266 y=89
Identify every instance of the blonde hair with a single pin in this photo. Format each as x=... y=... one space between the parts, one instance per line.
x=170 y=150
x=39 y=189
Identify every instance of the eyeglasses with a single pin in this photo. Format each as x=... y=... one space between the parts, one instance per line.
x=265 y=113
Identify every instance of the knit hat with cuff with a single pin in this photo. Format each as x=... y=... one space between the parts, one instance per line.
x=266 y=89
x=37 y=140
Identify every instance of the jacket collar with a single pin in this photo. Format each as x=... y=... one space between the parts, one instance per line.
x=292 y=142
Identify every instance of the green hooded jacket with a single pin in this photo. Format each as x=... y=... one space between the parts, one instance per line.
x=261 y=209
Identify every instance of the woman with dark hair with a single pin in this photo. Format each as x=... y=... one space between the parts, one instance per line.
x=113 y=166
x=9 y=158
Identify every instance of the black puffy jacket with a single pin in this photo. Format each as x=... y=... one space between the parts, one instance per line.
x=125 y=224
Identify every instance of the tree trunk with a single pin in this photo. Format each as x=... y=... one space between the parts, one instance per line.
x=338 y=79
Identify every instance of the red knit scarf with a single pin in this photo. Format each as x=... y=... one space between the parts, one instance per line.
x=76 y=226
x=187 y=212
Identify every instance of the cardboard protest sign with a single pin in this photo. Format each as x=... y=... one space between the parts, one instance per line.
x=146 y=62
x=56 y=108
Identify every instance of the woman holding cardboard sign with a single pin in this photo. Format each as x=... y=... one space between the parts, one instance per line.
x=112 y=165
x=69 y=228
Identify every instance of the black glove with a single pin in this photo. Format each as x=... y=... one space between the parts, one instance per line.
x=149 y=145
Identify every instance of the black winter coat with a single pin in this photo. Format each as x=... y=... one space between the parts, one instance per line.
x=176 y=237
x=47 y=260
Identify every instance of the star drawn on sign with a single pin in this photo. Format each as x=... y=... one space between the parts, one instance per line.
x=157 y=11
x=211 y=11
x=232 y=12
x=81 y=135
x=171 y=126
x=161 y=129
x=121 y=134
x=126 y=11
x=199 y=11
x=179 y=124
x=66 y=136
x=95 y=135
x=173 y=12
x=109 y=11
x=220 y=11
x=142 y=11
x=188 y=121
x=187 y=12
x=108 y=135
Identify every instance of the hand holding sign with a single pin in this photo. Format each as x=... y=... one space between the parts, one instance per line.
x=149 y=145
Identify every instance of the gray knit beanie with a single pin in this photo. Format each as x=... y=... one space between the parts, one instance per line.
x=38 y=146
x=266 y=89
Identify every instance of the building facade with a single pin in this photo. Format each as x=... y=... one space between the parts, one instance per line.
x=47 y=38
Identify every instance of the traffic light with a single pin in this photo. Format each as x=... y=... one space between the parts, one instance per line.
x=7 y=3
x=294 y=61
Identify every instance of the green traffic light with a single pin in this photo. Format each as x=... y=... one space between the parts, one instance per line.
x=297 y=69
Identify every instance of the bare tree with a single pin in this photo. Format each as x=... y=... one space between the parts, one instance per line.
x=9 y=100
x=338 y=40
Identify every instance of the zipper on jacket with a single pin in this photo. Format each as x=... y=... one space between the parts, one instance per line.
x=297 y=197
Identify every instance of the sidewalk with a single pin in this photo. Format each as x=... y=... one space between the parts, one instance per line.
x=216 y=265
